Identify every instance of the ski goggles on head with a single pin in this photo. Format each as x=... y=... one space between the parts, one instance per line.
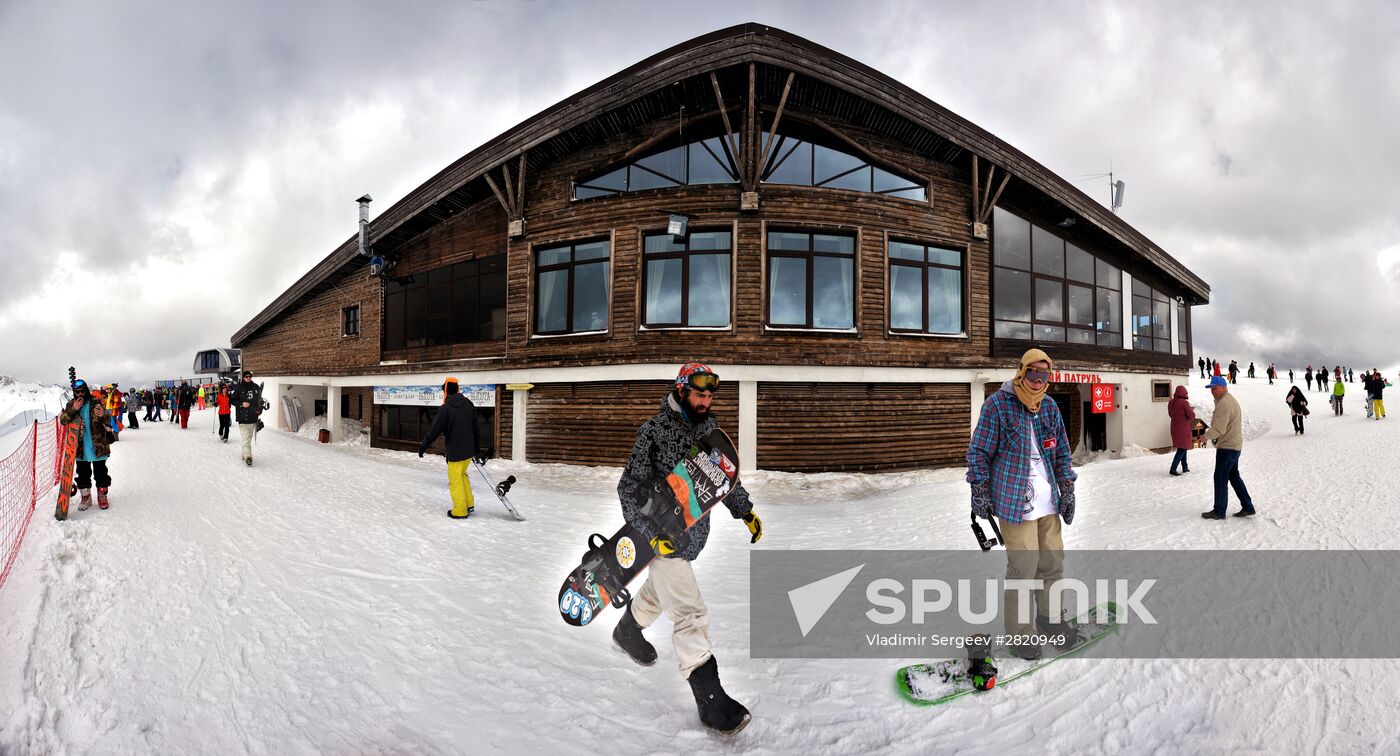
x=1038 y=376
x=703 y=381
x=80 y=385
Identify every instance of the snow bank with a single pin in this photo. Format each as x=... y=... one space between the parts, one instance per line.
x=353 y=432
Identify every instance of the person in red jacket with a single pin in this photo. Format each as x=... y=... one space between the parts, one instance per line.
x=1179 y=410
x=225 y=422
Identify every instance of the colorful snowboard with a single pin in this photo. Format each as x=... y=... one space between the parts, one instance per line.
x=71 y=432
x=706 y=476
x=947 y=680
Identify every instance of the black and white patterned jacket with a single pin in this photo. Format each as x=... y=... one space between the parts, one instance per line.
x=661 y=442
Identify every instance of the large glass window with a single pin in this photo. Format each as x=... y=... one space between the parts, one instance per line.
x=454 y=304
x=811 y=280
x=571 y=288
x=926 y=289
x=687 y=281
x=791 y=160
x=1151 y=318
x=1048 y=289
x=1181 y=328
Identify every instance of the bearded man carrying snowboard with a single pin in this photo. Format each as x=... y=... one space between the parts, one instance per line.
x=670 y=586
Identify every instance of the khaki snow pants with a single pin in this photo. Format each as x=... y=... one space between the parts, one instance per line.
x=245 y=432
x=1034 y=551
x=671 y=586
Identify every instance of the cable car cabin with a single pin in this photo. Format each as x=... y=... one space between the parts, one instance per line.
x=224 y=363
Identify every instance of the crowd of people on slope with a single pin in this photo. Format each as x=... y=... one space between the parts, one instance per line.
x=104 y=412
x=1226 y=422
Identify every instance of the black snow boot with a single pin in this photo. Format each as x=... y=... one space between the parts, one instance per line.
x=1058 y=630
x=717 y=710
x=628 y=637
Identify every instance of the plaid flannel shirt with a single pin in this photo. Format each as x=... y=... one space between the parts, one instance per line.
x=1000 y=451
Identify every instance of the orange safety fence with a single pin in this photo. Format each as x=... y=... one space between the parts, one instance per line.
x=28 y=474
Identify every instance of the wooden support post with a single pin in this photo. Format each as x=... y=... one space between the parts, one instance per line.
x=773 y=130
x=750 y=156
x=510 y=191
x=520 y=179
x=729 y=135
x=1005 y=177
x=976 y=203
x=497 y=191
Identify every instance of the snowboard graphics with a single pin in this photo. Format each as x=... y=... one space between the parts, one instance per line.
x=501 y=490
x=704 y=478
x=71 y=432
x=947 y=680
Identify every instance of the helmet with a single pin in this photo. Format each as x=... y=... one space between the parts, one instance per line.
x=697 y=375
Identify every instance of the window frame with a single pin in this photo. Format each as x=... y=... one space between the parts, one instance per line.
x=536 y=270
x=788 y=139
x=422 y=281
x=1153 y=298
x=809 y=256
x=1063 y=280
x=345 y=321
x=683 y=255
x=963 y=255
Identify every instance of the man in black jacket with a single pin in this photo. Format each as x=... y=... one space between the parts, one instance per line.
x=456 y=421
x=247 y=406
x=670 y=586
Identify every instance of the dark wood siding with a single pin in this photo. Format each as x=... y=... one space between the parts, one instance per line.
x=596 y=423
x=862 y=427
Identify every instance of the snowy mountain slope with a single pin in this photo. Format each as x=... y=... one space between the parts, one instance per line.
x=321 y=601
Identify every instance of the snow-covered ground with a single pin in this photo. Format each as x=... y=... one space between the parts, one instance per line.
x=320 y=602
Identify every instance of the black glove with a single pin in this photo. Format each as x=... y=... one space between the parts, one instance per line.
x=481 y=460
x=981 y=500
x=1067 y=502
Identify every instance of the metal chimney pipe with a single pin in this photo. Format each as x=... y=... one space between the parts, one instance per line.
x=364 y=224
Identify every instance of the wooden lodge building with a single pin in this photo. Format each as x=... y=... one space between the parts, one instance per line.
x=860 y=265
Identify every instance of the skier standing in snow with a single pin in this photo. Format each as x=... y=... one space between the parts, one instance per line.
x=1298 y=408
x=1322 y=379
x=248 y=405
x=94 y=445
x=1377 y=394
x=186 y=401
x=1234 y=371
x=670 y=586
x=1290 y=375
x=1308 y=376
x=1201 y=363
x=1226 y=432
x=225 y=408
x=1339 y=390
x=1272 y=373
x=1018 y=465
x=157 y=400
x=1251 y=368
x=1181 y=414
x=456 y=421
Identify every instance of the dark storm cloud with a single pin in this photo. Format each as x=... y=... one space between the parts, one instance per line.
x=183 y=163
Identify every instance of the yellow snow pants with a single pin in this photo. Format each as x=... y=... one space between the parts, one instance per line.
x=460 y=486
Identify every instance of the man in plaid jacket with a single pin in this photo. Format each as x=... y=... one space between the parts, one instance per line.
x=1018 y=464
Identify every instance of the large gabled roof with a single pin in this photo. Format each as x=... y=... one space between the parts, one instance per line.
x=654 y=87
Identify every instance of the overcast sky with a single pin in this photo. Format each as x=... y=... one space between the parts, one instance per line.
x=166 y=170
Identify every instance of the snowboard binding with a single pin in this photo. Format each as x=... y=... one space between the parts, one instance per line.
x=982 y=673
x=503 y=487
x=986 y=543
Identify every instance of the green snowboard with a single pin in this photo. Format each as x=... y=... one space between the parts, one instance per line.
x=946 y=680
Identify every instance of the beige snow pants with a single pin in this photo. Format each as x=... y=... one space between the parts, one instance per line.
x=1034 y=551
x=671 y=586
x=245 y=432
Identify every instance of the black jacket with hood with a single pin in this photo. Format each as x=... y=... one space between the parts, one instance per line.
x=456 y=421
